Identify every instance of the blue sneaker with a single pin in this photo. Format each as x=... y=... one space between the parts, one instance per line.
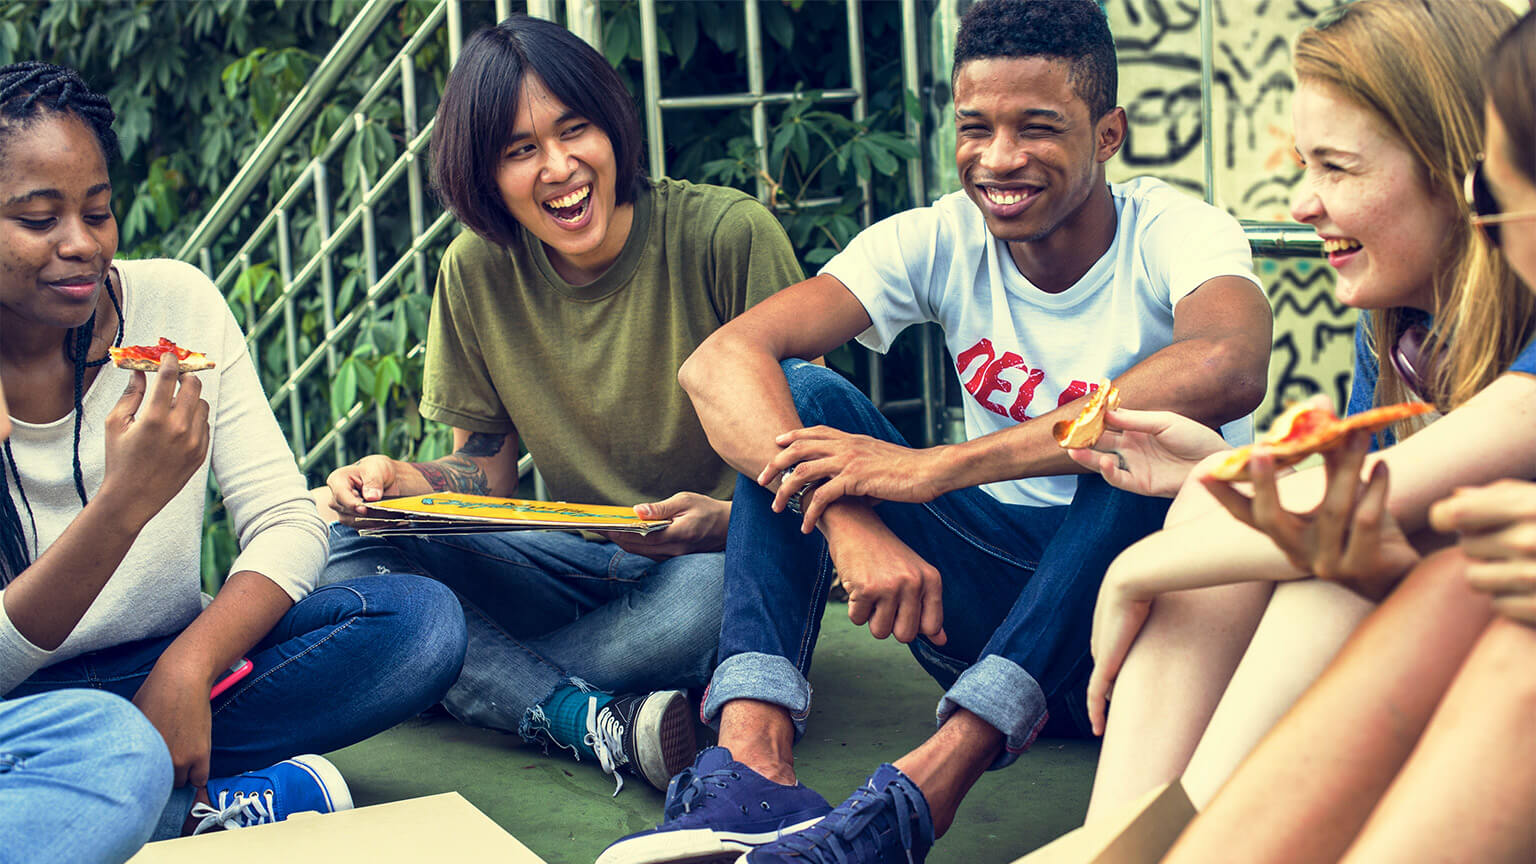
x=885 y=822
x=273 y=794
x=717 y=809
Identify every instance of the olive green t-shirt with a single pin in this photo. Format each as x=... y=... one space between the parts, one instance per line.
x=587 y=375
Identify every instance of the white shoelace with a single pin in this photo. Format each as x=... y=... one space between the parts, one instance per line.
x=241 y=811
x=606 y=738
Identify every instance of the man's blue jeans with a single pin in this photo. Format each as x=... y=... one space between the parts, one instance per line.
x=348 y=661
x=1019 y=587
x=83 y=777
x=543 y=608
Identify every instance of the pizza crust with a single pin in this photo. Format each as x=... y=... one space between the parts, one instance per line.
x=1085 y=429
x=194 y=362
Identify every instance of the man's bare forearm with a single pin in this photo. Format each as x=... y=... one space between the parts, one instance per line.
x=1194 y=378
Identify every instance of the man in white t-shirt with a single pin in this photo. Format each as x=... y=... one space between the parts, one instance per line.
x=986 y=555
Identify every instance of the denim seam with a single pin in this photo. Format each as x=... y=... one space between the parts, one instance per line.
x=818 y=601
x=977 y=542
x=335 y=631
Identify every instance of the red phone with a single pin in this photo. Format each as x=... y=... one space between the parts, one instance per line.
x=231 y=676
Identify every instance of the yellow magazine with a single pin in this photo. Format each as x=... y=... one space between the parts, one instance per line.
x=456 y=513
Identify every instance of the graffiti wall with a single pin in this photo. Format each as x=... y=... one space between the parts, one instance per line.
x=1159 y=45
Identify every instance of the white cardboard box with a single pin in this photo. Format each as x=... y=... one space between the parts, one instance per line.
x=1140 y=835
x=430 y=829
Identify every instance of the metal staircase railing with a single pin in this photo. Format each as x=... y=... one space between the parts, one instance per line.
x=397 y=270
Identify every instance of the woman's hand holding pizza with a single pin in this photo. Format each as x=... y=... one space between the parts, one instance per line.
x=826 y=464
x=1148 y=452
x=1497 y=524
x=1350 y=538
x=156 y=437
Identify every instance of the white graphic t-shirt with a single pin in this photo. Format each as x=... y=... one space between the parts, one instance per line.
x=1019 y=351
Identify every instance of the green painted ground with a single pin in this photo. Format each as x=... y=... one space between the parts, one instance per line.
x=873 y=703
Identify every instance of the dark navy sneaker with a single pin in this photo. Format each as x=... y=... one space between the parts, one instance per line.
x=303 y=783
x=717 y=809
x=649 y=734
x=885 y=822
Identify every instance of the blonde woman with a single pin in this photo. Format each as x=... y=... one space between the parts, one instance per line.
x=1387 y=118
x=1416 y=742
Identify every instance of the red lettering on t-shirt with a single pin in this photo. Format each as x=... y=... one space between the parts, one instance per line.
x=992 y=381
x=1026 y=393
x=1076 y=390
x=982 y=348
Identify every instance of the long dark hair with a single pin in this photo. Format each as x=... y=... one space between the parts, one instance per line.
x=30 y=91
x=1511 y=77
x=479 y=108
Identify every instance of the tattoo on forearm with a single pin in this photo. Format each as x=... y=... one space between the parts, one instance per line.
x=455 y=473
x=482 y=444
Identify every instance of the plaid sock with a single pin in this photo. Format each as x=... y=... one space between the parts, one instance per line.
x=566 y=710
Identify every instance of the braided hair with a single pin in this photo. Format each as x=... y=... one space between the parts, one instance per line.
x=29 y=92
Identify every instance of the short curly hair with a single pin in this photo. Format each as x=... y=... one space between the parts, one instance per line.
x=1071 y=30
x=30 y=91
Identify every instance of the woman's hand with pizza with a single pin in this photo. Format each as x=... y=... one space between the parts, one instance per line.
x=1497 y=524
x=1350 y=538
x=156 y=437
x=1148 y=452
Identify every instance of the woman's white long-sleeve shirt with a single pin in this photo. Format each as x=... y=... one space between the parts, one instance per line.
x=156 y=590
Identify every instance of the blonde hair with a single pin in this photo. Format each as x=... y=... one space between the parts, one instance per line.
x=1417 y=65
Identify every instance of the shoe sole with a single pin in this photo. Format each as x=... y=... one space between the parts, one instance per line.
x=331 y=782
x=664 y=741
x=693 y=846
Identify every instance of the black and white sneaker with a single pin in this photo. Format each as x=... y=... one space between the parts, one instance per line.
x=646 y=734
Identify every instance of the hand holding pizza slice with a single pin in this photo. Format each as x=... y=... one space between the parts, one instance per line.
x=146 y=358
x=1304 y=429
x=1085 y=429
x=1350 y=537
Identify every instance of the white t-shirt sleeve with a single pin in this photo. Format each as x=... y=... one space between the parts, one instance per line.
x=1191 y=243
x=280 y=534
x=890 y=268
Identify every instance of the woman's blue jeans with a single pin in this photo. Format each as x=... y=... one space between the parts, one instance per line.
x=1019 y=587
x=348 y=661
x=83 y=777
x=545 y=607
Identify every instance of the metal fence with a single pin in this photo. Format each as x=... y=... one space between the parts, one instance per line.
x=403 y=267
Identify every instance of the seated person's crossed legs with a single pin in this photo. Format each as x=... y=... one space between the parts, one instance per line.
x=557 y=625
x=1018 y=586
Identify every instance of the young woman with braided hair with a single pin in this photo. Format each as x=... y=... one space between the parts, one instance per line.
x=100 y=523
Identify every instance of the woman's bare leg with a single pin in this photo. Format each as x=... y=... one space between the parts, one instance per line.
x=1468 y=792
x=1170 y=683
x=1306 y=789
x=1303 y=629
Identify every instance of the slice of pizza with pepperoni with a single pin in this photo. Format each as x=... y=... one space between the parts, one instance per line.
x=1301 y=431
x=146 y=358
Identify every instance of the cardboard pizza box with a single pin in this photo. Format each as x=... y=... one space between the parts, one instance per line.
x=433 y=828
x=1142 y=834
